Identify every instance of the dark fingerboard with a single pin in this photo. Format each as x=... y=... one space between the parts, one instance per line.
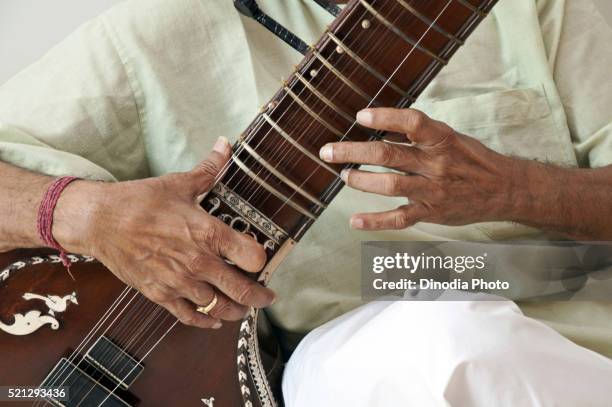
x=376 y=53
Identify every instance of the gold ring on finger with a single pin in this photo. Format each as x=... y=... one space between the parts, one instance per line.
x=206 y=309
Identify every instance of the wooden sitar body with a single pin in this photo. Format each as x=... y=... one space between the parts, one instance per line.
x=115 y=348
x=188 y=362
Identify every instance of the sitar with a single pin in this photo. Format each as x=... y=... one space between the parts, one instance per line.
x=104 y=344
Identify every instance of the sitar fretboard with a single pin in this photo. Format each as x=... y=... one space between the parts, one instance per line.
x=376 y=53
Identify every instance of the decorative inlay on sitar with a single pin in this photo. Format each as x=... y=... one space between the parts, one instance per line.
x=116 y=348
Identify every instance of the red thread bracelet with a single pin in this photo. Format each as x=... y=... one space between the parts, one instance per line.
x=45 y=216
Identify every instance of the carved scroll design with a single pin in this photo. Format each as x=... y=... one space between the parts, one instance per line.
x=209 y=402
x=249 y=362
x=32 y=261
x=250 y=214
x=33 y=320
x=28 y=323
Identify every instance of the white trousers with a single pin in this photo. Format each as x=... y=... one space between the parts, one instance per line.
x=470 y=353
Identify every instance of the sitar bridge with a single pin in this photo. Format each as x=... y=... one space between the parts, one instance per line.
x=84 y=387
x=100 y=378
x=114 y=362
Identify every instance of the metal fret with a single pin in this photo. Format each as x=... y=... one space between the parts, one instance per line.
x=287 y=200
x=400 y=33
x=312 y=113
x=297 y=145
x=343 y=78
x=430 y=23
x=370 y=69
x=281 y=176
x=472 y=8
x=325 y=100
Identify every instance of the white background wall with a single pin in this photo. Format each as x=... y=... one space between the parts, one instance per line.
x=28 y=28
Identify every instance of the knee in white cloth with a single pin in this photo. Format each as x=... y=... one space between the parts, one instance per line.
x=468 y=353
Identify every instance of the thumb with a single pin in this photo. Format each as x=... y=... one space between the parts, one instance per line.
x=204 y=175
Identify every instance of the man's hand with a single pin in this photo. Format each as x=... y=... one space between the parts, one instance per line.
x=447 y=177
x=154 y=236
x=453 y=179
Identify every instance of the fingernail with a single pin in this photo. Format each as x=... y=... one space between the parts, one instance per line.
x=327 y=152
x=344 y=175
x=274 y=299
x=221 y=145
x=264 y=301
x=217 y=325
x=357 y=223
x=365 y=117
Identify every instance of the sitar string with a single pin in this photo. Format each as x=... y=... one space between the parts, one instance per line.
x=254 y=134
x=288 y=155
x=467 y=26
x=112 y=392
x=400 y=65
x=81 y=346
x=380 y=52
x=420 y=40
x=135 y=328
x=286 y=152
x=281 y=153
x=385 y=32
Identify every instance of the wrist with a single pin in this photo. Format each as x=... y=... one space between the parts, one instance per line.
x=536 y=193
x=507 y=200
x=77 y=215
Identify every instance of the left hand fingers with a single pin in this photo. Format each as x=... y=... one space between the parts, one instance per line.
x=419 y=127
x=203 y=176
x=396 y=219
x=388 y=184
x=372 y=153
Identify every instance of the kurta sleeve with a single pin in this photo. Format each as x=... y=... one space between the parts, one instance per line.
x=75 y=111
x=578 y=42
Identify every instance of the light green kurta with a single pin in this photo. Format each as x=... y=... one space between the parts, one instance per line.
x=146 y=88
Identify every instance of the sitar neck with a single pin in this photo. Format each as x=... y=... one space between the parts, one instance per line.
x=375 y=53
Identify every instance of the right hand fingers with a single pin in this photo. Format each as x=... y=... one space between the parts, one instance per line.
x=233 y=283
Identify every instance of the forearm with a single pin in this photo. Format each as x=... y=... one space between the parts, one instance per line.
x=575 y=203
x=151 y=233
x=21 y=192
x=20 y=195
